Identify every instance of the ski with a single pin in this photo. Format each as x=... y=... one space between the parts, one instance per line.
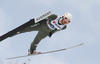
x=25 y=25
x=14 y=31
x=46 y=52
x=43 y=16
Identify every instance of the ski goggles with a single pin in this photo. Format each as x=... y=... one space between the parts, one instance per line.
x=66 y=20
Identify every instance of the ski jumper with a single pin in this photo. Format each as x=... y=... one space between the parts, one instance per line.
x=45 y=28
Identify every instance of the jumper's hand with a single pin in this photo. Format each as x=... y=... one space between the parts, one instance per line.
x=50 y=34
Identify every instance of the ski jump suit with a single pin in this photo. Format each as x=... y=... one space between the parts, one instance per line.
x=45 y=28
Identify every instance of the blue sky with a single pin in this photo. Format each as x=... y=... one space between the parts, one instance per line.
x=84 y=28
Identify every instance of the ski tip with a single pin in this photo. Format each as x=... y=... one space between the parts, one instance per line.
x=81 y=43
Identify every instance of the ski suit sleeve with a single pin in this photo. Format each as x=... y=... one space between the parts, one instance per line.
x=52 y=17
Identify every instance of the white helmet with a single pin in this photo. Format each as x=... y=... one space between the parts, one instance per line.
x=68 y=15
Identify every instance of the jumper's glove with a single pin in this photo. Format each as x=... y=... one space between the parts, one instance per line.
x=50 y=34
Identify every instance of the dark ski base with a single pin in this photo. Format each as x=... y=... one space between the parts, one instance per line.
x=27 y=24
x=14 y=31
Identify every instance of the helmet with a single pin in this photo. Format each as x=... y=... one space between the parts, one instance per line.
x=68 y=15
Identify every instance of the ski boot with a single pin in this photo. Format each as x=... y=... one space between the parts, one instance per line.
x=34 y=52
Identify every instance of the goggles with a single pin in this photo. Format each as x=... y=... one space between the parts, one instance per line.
x=66 y=20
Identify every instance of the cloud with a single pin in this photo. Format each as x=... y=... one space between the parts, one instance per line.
x=4 y=45
x=45 y=2
x=36 y=2
x=47 y=59
x=2 y=20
